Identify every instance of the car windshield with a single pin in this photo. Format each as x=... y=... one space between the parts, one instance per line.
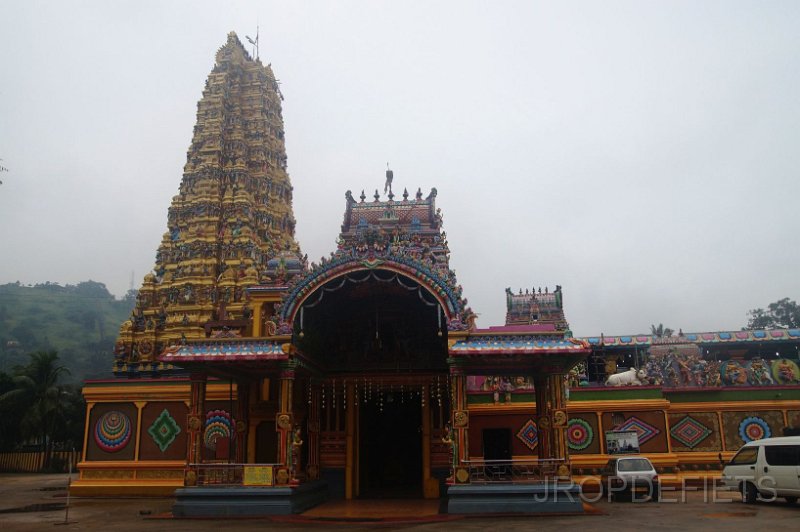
x=634 y=464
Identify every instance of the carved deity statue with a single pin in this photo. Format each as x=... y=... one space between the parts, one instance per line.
x=452 y=440
x=387 y=187
x=294 y=450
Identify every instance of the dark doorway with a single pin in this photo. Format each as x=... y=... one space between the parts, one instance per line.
x=266 y=443
x=497 y=444
x=390 y=448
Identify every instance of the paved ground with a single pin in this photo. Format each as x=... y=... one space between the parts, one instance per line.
x=691 y=511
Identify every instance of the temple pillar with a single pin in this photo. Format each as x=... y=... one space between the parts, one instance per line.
x=242 y=421
x=313 y=430
x=194 y=424
x=257 y=319
x=460 y=428
x=551 y=420
x=430 y=486
x=284 y=424
x=351 y=442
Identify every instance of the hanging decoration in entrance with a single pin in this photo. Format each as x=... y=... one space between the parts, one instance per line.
x=434 y=391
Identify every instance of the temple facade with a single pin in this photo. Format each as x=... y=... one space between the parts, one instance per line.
x=364 y=374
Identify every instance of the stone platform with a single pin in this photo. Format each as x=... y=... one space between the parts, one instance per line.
x=241 y=501
x=564 y=498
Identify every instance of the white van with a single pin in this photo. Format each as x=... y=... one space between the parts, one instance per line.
x=766 y=469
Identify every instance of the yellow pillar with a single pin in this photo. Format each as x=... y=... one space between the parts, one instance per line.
x=460 y=431
x=242 y=423
x=89 y=407
x=551 y=417
x=195 y=423
x=139 y=408
x=257 y=311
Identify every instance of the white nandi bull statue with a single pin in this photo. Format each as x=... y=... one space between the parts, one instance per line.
x=632 y=377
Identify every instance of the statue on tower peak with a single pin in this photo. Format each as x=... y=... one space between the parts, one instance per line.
x=389 y=177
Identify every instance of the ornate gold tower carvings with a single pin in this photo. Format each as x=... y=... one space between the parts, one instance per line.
x=233 y=213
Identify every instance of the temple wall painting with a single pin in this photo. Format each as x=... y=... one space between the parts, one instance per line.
x=694 y=432
x=583 y=434
x=113 y=432
x=163 y=431
x=742 y=427
x=114 y=435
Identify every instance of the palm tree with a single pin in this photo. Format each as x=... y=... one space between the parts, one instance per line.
x=38 y=394
x=661 y=331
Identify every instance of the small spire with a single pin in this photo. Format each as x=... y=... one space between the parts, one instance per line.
x=377 y=195
x=405 y=194
x=362 y=196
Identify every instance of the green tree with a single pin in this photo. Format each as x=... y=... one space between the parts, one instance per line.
x=661 y=331
x=9 y=417
x=782 y=314
x=93 y=289
x=41 y=400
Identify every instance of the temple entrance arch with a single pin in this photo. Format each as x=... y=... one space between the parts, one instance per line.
x=372 y=321
x=379 y=341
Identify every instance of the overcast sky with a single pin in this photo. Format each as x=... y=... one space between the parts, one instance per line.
x=643 y=155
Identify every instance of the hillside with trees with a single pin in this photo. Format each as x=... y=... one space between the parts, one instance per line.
x=80 y=322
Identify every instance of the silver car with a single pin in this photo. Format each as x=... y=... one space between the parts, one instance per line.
x=630 y=478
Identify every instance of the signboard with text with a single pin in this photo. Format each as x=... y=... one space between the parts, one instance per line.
x=257 y=475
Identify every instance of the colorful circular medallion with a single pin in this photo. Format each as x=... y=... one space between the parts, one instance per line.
x=579 y=434
x=112 y=432
x=753 y=428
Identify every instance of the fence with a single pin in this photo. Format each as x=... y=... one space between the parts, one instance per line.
x=513 y=471
x=33 y=461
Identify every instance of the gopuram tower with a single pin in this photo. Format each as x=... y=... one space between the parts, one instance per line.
x=232 y=215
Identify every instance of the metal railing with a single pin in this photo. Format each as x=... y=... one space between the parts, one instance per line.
x=513 y=471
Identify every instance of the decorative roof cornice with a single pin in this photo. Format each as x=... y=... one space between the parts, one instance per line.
x=343 y=262
x=720 y=337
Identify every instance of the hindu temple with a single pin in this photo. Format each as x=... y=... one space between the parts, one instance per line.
x=250 y=381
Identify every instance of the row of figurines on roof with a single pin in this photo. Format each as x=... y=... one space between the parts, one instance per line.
x=396 y=241
x=757 y=372
x=417 y=196
x=524 y=302
x=674 y=369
